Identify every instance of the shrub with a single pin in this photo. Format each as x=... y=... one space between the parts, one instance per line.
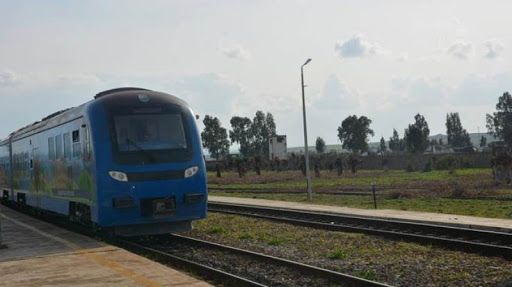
x=409 y=167
x=448 y=162
x=437 y=189
x=462 y=190
x=428 y=166
x=336 y=254
x=466 y=163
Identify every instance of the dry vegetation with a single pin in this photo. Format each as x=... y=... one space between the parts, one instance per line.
x=395 y=262
x=464 y=192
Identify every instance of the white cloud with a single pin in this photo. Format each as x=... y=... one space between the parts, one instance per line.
x=419 y=91
x=336 y=95
x=403 y=58
x=236 y=52
x=208 y=93
x=356 y=46
x=8 y=78
x=494 y=49
x=461 y=49
x=481 y=89
x=79 y=79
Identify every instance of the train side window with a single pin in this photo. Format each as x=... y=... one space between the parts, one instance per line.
x=58 y=146
x=87 y=144
x=51 y=148
x=76 y=143
x=67 y=145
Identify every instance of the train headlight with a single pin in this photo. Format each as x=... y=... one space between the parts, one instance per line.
x=191 y=171
x=118 y=175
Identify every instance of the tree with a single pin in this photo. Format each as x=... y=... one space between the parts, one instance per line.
x=262 y=128
x=441 y=142
x=271 y=125
x=241 y=135
x=215 y=137
x=354 y=132
x=253 y=136
x=483 y=142
x=382 y=146
x=416 y=135
x=320 y=145
x=499 y=124
x=457 y=136
x=395 y=143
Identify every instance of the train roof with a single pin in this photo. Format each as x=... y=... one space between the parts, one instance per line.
x=66 y=115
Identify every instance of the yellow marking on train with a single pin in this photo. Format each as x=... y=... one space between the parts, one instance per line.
x=98 y=258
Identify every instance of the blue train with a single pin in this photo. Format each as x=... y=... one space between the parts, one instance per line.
x=129 y=161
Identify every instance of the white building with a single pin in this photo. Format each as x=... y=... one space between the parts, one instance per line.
x=277 y=147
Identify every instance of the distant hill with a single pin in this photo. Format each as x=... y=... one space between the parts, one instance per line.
x=475 y=140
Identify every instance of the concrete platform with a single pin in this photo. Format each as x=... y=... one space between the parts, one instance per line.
x=495 y=224
x=40 y=254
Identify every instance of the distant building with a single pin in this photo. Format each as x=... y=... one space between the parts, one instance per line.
x=277 y=147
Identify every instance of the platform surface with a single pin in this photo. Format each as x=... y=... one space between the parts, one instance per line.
x=41 y=254
x=495 y=224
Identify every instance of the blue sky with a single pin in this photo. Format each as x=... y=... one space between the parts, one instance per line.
x=387 y=60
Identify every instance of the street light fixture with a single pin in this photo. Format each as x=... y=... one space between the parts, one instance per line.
x=308 y=177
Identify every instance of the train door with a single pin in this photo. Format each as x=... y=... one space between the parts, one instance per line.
x=35 y=172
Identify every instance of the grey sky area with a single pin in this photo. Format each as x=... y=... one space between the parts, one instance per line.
x=387 y=60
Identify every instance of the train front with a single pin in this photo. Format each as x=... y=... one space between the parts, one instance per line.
x=150 y=171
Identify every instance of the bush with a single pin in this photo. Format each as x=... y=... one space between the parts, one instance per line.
x=451 y=189
x=409 y=168
x=428 y=166
x=448 y=162
x=462 y=190
x=466 y=163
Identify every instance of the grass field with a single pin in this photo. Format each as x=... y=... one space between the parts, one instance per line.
x=372 y=257
x=465 y=192
x=294 y=179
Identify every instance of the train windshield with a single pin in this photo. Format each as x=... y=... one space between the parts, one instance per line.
x=149 y=135
x=150 y=132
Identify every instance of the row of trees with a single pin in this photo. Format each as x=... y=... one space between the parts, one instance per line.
x=252 y=136
x=354 y=132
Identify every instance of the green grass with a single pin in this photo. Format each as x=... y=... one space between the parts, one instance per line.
x=436 y=191
x=294 y=179
x=372 y=257
x=336 y=254
x=216 y=230
x=472 y=207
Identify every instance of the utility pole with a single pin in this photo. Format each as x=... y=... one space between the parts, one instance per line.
x=308 y=177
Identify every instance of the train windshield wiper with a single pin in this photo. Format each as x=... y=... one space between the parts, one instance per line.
x=143 y=151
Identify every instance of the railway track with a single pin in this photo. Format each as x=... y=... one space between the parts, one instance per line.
x=245 y=268
x=485 y=242
x=172 y=250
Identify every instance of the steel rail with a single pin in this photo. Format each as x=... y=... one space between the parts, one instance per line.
x=473 y=240
x=206 y=272
x=333 y=276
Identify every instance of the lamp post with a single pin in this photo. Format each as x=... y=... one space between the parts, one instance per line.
x=308 y=178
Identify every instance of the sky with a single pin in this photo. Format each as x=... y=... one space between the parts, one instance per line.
x=386 y=60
